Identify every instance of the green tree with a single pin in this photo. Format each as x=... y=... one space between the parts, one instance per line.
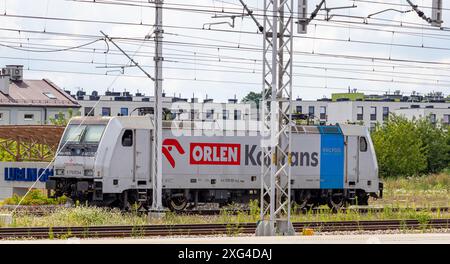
x=167 y=114
x=5 y=156
x=253 y=97
x=399 y=148
x=448 y=147
x=61 y=119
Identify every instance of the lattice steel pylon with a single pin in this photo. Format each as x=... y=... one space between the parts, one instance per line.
x=276 y=116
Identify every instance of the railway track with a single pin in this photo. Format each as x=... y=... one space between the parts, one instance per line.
x=46 y=209
x=213 y=229
x=321 y=210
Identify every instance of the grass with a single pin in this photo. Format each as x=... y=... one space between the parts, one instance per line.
x=94 y=216
x=79 y=216
x=422 y=191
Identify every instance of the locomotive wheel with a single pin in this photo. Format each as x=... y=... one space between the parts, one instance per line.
x=304 y=201
x=336 y=202
x=363 y=199
x=177 y=203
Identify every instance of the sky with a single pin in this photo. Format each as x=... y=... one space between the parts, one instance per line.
x=393 y=50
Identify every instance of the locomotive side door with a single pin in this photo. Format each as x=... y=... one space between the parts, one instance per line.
x=352 y=158
x=142 y=156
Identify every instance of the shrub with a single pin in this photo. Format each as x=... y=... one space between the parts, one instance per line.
x=399 y=148
x=436 y=143
x=35 y=197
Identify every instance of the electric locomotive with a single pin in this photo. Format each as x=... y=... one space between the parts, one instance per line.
x=108 y=161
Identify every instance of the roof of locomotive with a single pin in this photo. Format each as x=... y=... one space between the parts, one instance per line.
x=137 y=122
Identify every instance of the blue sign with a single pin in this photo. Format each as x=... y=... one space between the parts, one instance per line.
x=27 y=174
x=332 y=161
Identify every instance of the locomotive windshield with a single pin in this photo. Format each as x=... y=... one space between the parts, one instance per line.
x=83 y=134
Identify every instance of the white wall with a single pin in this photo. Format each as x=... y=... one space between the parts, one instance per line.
x=200 y=108
x=4 y=117
x=35 y=120
x=341 y=112
x=14 y=115
x=346 y=111
x=17 y=177
x=424 y=113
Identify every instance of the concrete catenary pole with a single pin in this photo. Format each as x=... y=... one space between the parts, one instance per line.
x=157 y=132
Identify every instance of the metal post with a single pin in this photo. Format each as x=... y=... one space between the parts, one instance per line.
x=276 y=116
x=157 y=132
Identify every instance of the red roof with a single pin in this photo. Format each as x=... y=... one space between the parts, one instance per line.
x=33 y=93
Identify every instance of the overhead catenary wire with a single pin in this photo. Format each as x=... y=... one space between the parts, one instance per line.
x=130 y=3
x=239 y=59
x=331 y=23
x=298 y=54
x=208 y=80
x=245 y=70
x=253 y=49
x=322 y=38
x=393 y=4
x=377 y=74
x=248 y=83
x=51 y=50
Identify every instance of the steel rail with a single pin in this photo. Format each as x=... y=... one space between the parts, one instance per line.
x=214 y=229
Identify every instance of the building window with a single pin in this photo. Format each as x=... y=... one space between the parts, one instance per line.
x=373 y=113
x=28 y=116
x=446 y=120
x=225 y=114
x=127 y=138
x=142 y=111
x=123 y=111
x=88 y=111
x=106 y=111
x=50 y=95
x=299 y=109
x=210 y=114
x=360 y=113
x=60 y=116
x=194 y=114
x=311 y=111
x=433 y=118
x=1 y=116
x=323 y=112
x=385 y=113
x=237 y=114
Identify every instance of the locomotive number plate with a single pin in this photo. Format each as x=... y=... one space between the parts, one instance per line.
x=74 y=170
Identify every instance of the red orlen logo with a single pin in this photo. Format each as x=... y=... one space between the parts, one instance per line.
x=215 y=154
x=168 y=144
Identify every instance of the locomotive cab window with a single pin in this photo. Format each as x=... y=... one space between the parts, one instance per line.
x=362 y=144
x=127 y=138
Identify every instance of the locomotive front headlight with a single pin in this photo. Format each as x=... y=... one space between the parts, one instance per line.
x=59 y=171
x=88 y=172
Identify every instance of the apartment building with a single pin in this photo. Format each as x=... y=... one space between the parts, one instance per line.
x=31 y=102
x=435 y=115
x=369 y=110
x=178 y=108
